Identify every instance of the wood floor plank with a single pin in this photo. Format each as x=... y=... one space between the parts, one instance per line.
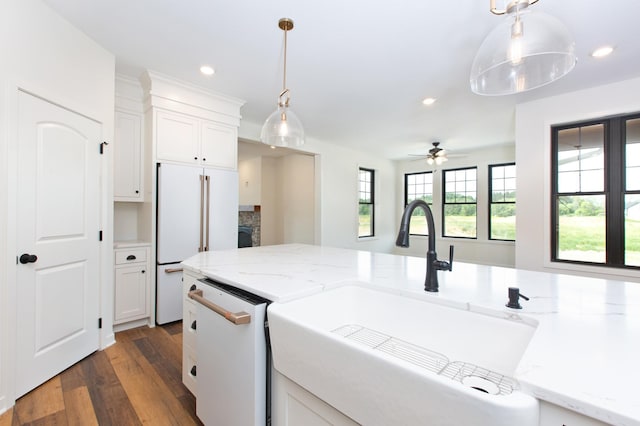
x=6 y=418
x=78 y=407
x=138 y=380
x=55 y=419
x=45 y=400
x=153 y=400
x=110 y=402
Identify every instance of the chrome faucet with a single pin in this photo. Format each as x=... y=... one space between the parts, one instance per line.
x=433 y=264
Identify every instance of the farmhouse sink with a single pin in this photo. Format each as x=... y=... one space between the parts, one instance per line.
x=383 y=358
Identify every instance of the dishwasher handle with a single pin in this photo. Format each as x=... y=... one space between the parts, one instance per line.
x=237 y=318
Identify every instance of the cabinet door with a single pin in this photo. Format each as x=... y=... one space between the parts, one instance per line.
x=131 y=293
x=128 y=157
x=218 y=145
x=177 y=137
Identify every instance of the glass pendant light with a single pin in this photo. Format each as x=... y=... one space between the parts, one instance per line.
x=282 y=127
x=527 y=50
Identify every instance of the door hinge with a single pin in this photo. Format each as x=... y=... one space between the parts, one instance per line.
x=100 y=236
x=99 y=322
x=102 y=146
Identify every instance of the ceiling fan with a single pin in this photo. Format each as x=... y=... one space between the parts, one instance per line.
x=436 y=155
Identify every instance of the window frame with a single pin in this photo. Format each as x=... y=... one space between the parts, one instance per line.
x=491 y=202
x=406 y=192
x=614 y=191
x=445 y=203
x=371 y=202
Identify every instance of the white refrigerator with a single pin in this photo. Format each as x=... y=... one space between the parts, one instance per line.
x=197 y=211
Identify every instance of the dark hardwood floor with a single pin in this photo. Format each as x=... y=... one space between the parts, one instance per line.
x=136 y=381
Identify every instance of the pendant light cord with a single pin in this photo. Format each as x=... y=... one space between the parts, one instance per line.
x=284 y=74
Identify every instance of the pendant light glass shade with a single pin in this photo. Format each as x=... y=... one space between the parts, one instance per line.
x=527 y=50
x=283 y=128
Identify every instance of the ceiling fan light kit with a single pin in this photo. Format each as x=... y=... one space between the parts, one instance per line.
x=436 y=155
x=526 y=51
x=283 y=128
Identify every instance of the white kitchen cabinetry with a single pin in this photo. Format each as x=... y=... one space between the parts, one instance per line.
x=293 y=405
x=186 y=139
x=189 y=332
x=132 y=292
x=128 y=151
x=553 y=415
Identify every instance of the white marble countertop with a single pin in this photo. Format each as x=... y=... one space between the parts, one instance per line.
x=582 y=356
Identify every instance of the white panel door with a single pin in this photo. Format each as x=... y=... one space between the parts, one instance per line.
x=179 y=199
x=58 y=222
x=223 y=209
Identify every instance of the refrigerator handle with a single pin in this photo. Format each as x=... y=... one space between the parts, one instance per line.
x=208 y=204
x=201 y=247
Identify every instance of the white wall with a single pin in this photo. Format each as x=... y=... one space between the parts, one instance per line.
x=250 y=181
x=297 y=182
x=336 y=194
x=533 y=157
x=480 y=250
x=43 y=54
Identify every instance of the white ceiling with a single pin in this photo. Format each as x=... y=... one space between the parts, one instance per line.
x=358 y=70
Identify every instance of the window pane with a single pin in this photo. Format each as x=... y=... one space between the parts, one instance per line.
x=503 y=222
x=460 y=220
x=581 y=159
x=581 y=228
x=419 y=187
x=460 y=207
x=418 y=225
x=365 y=225
x=632 y=155
x=632 y=230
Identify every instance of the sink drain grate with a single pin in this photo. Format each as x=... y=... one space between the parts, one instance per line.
x=432 y=361
x=458 y=371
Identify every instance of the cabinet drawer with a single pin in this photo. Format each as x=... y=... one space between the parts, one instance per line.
x=188 y=364
x=130 y=256
x=189 y=321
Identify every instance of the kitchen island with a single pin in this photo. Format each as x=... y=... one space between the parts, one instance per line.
x=581 y=358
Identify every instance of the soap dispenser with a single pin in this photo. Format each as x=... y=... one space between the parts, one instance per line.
x=514 y=298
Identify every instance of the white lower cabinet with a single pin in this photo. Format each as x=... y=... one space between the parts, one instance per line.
x=553 y=415
x=132 y=291
x=292 y=405
x=189 y=332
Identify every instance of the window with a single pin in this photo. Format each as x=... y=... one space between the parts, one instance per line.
x=502 y=202
x=596 y=192
x=459 y=209
x=366 y=201
x=418 y=186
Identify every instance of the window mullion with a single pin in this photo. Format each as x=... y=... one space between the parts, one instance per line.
x=614 y=191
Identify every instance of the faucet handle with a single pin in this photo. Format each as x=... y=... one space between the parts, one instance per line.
x=443 y=265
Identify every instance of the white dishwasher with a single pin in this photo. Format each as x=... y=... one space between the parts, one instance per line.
x=233 y=356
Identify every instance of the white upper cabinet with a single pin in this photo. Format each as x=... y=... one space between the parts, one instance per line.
x=218 y=145
x=191 y=125
x=128 y=176
x=177 y=138
x=186 y=139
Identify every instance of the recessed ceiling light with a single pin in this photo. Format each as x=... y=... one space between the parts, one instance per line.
x=207 y=70
x=602 y=51
x=429 y=101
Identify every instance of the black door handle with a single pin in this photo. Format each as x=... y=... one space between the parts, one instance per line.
x=28 y=258
x=194 y=325
x=131 y=257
